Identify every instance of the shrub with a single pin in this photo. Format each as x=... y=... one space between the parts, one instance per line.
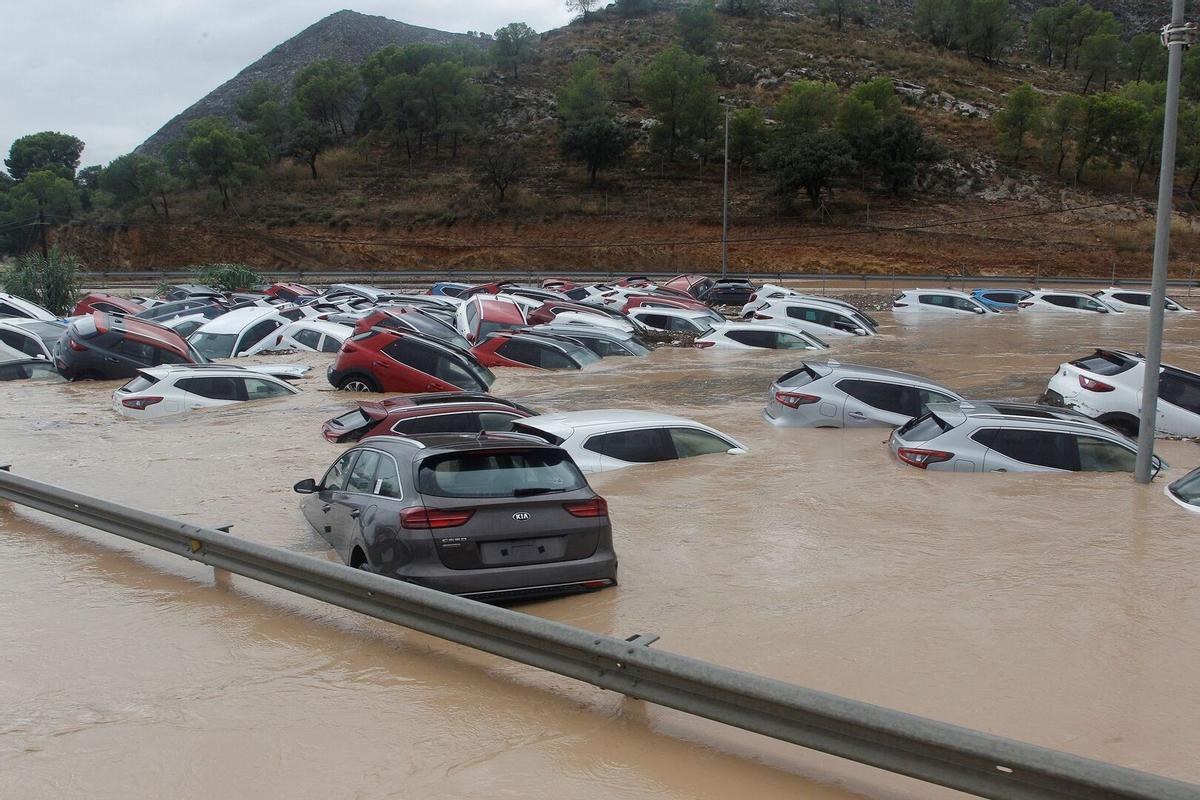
x=51 y=281
x=228 y=277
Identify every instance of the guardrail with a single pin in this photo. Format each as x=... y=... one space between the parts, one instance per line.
x=386 y=278
x=936 y=752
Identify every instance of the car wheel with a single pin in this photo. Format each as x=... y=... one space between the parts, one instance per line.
x=358 y=383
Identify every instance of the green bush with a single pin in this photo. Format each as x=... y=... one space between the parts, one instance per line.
x=51 y=282
x=228 y=277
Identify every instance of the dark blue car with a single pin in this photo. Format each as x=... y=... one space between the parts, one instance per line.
x=1000 y=299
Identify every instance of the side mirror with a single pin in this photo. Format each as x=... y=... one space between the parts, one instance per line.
x=1156 y=466
x=306 y=486
x=736 y=451
x=980 y=310
x=859 y=332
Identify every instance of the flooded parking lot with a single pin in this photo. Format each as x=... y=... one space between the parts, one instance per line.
x=1059 y=609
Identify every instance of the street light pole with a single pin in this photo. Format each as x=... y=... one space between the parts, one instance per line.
x=1175 y=37
x=725 y=204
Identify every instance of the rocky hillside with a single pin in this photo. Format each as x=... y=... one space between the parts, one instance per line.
x=347 y=35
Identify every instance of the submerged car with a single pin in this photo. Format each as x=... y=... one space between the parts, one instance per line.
x=1136 y=300
x=1012 y=437
x=674 y=320
x=727 y=292
x=306 y=335
x=610 y=439
x=104 y=346
x=109 y=303
x=20 y=308
x=759 y=335
x=433 y=412
x=35 y=338
x=1064 y=302
x=1107 y=387
x=602 y=341
x=1186 y=491
x=381 y=360
x=835 y=395
x=1000 y=299
x=162 y=391
x=493 y=517
x=240 y=332
x=527 y=349
x=816 y=316
x=411 y=318
x=938 y=301
x=482 y=314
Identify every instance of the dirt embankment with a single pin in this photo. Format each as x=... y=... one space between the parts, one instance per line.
x=1001 y=239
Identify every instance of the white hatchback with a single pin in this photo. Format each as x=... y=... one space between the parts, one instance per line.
x=237 y=332
x=938 y=301
x=1136 y=300
x=825 y=319
x=306 y=335
x=1064 y=302
x=759 y=336
x=599 y=441
x=162 y=391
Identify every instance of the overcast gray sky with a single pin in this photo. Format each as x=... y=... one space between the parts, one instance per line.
x=113 y=71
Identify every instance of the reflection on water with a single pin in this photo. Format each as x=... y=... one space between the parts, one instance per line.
x=1059 y=609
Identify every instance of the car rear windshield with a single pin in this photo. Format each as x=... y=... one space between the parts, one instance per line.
x=352 y=419
x=1104 y=363
x=140 y=384
x=798 y=377
x=499 y=473
x=922 y=429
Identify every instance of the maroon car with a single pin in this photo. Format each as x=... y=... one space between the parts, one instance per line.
x=108 y=303
x=434 y=412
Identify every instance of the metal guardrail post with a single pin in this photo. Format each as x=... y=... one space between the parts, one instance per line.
x=937 y=752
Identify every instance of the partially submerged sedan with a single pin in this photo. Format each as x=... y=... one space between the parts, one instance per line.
x=527 y=349
x=615 y=438
x=759 y=336
x=493 y=517
x=162 y=391
x=432 y=412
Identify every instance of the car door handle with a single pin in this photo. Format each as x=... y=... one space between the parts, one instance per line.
x=355 y=514
x=326 y=508
x=856 y=415
x=381 y=364
x=1000 y=469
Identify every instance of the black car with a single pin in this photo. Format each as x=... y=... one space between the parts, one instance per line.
x=106 y=346
x=209 y=308
x=727 y=292
x=493 y=516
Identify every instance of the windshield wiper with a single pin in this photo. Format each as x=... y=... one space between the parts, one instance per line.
x=528 y=490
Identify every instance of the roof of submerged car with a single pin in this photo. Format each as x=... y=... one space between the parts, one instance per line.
x=237 y=320
x=850 y=370
x=570 y=421
x=432 y=443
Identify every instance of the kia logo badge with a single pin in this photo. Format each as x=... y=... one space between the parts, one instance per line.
x=521 y=516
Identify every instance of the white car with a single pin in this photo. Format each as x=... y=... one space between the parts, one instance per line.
x=1107 y=386
x=1064 y=302
x=945 y=302
x=675 y=320
x=161 y=391
x=757 y=336
x=599 y=441
x=33 y=337
x=307 y=335
x=185 y=325
x=19 y=307
x=238 y=332
x=816 y=316
x=1135 y=300
x=1186 y=491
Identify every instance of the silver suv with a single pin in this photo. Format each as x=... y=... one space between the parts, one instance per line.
x=834 y=395
x=1012 y=437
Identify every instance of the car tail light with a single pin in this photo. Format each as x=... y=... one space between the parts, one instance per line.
x=1093 y=385
x=140 y=403
x=599 y=584
x=1024 y=304
x=753 y=297
x=762 y=316
x=922 y=458
x=898 y=304
x=796 y=399
x=423 y=518
x=76 y=346
x=703 y=344
x=596 y=507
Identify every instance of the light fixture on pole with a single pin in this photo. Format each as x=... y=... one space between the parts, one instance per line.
x=1176 y=37
x=725 y=202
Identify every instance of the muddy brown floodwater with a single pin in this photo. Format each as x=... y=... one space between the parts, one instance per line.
x=1062 y=610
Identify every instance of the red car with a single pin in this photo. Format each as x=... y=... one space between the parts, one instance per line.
x=529 y=349
x=552 y=308
x=558 y=284
x=692 y=284
x=661 y=301
x=481 y=314
x=292 y=292
x=411 y=318
x=108 y=303
x=436 y=412
x=403 y=361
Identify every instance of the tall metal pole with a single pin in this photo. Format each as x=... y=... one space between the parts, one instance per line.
x=1175 y=37
x=725 y=205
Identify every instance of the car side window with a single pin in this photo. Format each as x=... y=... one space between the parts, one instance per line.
x=933 y=300
x=438 y=423
x=214 y=388
x=659 y=321
x=790 y=341
x=10 y=311
x=691 y=442
x=926 y=396
x=165 y=356
x=329 y=345
x=258 y=389
x=415 y=355
x=1042 y=448
x=135 y=350
x=884 y=396
x=257 y=333
x=549 y=358
x=496 y=421
x=520 y=351
x=1100 y=455
x=1059 y=300
x=1132 y=299
x=387 y=480
x=640 y=446
x=26 y=344
x=335 y=478
x=1180 y=391
x=362 y=477
x=308 y=337
x=754 y=338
